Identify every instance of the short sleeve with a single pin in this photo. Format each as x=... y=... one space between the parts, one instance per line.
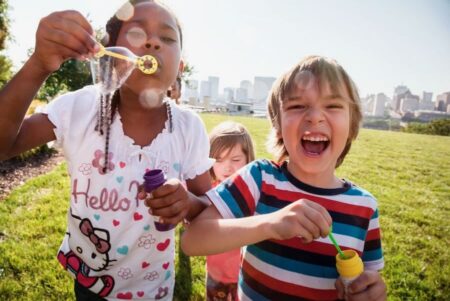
x=196 y=160
x=238 y=195
x=373 y=255
x=71 y=114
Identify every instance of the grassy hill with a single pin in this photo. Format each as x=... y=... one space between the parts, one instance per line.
x=408 y=173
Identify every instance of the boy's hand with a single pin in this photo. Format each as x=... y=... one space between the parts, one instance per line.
x=61 y=36
x=170 y=202
x=302 y=218
x=368 y=286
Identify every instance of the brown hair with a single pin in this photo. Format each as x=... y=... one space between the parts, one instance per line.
x=225 y=136
x=328 y=73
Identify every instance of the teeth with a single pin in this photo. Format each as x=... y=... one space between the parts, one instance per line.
x=315 y=138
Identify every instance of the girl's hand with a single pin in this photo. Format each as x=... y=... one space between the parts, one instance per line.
x=170 y=202
x=301 y=218
x=61 y=36
x=368 y=286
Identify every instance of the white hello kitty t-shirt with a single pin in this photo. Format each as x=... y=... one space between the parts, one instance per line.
x=113 y=246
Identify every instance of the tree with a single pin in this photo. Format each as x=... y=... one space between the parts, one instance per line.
x=71 y=76
x=5 y=62
x=188 y=71
x=4 y=23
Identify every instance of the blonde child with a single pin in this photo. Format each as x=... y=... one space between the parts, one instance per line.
x=232 y=147
x=282 y=212
x=112 y=247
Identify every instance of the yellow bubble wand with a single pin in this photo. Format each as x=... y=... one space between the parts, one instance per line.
x=147 y=63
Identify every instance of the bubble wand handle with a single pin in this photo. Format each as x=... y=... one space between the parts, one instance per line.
x=146 y=64
x=103 y=52
x=330 y=235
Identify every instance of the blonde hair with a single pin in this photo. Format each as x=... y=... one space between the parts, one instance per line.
x=329 y=74
x=227 y=135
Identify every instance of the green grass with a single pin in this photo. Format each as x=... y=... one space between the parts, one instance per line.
x=408 y=173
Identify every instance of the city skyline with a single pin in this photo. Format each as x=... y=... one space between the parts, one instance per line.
x=382 y=44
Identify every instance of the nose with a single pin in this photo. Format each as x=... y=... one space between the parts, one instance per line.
x=314 y=115
x=153 y=42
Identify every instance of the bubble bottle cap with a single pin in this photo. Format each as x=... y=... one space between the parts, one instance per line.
x=152 y=180
x=350 y=267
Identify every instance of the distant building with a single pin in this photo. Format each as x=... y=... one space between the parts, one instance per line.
x=379 y=105
x=261 y=87
x=191 y=91
x=427 y=116
x=409 y=103
x=239 y=108
x=247 y=85
x=228 y=94
x=214 y=86
x=443 y=102
x=205 y=89
x=399 y=92
x=242 y=95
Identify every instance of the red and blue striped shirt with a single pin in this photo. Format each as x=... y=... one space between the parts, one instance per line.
x=290 y=269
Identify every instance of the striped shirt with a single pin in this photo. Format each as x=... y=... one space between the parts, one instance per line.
x=290 y=269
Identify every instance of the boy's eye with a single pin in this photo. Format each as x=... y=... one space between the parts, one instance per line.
x=296 y=107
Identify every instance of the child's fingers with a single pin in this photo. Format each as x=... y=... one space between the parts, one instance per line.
x=376 y=292
x=368 y=286
x=169 y=209
x=308 y=229
x=324 y=213
x=169 y=187
x=340 y=288
x=68 y=45
x=314 y=213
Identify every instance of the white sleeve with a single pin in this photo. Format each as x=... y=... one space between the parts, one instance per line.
x=71 y=114
x=58 y=112
x=196 y=160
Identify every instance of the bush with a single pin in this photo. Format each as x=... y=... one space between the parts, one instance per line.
x=436 y=127
x=40 y=150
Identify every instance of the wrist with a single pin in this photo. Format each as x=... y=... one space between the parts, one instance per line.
x=36 y=68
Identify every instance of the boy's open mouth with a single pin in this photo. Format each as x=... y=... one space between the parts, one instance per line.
x=315 y=144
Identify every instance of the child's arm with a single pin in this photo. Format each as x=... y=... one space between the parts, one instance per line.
x=60 y=36
x=368 y=286
x=210 y=234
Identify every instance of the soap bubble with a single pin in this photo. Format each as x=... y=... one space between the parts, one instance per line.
x=109 y=73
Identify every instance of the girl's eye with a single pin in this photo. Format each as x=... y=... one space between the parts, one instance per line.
x=168 y=39
x=334 y=106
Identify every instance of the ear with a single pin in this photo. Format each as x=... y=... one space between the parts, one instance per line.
x=181 y=68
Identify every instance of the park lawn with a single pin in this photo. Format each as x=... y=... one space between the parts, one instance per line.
x=408 y=173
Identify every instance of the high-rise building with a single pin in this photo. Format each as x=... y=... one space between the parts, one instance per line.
x=205 y=89
x=214 y=87
x=261 y=87
x=191 y=90
x=228 y=94
x=242 y=95
x=443 y=102
x=379 y=105
x=399 y=92
x=248 y=86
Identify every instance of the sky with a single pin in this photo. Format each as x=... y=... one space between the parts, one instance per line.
x=381 y=43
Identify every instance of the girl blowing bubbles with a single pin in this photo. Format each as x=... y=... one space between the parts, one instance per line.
x=232 y=147
x=112 y=248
